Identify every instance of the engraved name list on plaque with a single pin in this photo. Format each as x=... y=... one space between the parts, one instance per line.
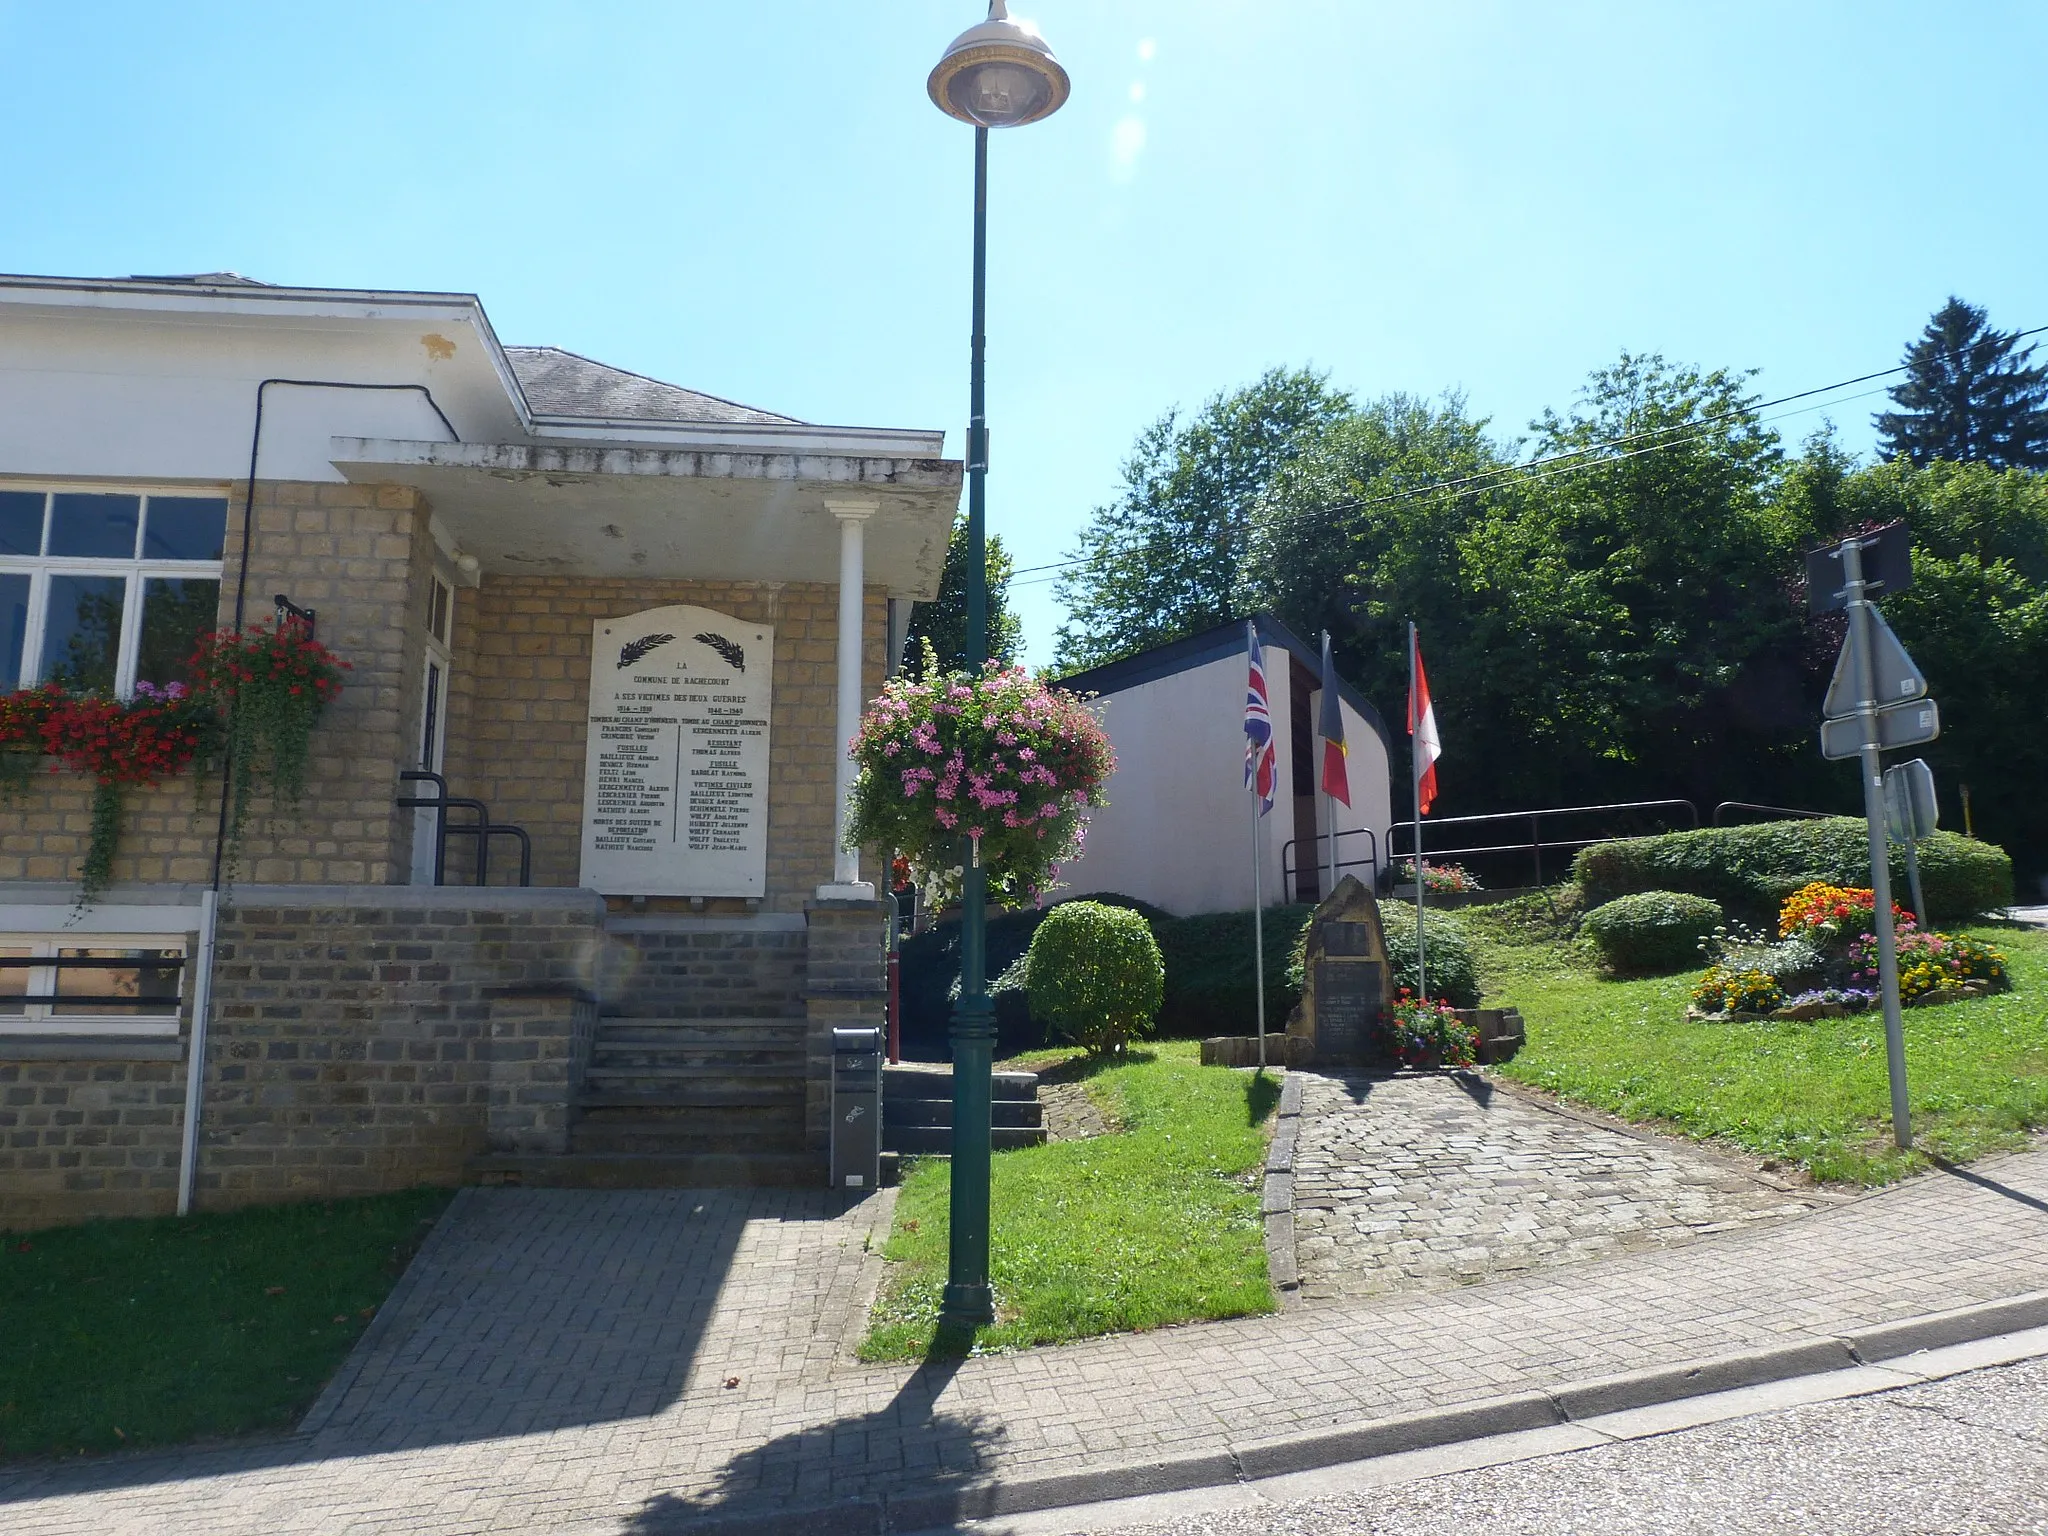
x=675 y=783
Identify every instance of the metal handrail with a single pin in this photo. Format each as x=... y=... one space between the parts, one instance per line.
x=1370 y=861
x=1790 y=811
x=483 y=829
x=1536 y=843
x=290 y=612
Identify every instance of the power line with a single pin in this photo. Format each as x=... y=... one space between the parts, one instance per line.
x=1694 y=431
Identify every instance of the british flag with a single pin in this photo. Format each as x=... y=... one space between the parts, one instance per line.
x=1259 y=767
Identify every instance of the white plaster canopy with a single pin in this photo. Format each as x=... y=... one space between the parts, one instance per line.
x=713 y=512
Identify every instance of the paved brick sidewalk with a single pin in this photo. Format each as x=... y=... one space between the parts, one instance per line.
x=1424 y=1182
x=595 y=1292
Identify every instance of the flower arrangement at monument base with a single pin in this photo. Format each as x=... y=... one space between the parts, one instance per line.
x=1427 y=1034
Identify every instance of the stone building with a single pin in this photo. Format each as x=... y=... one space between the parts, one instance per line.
x=632 y=621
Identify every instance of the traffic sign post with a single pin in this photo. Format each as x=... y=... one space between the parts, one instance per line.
x=1868 y=719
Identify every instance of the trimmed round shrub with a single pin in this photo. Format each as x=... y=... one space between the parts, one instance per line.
x=1094 y=974
x=1752 y=869
x=1652 y=931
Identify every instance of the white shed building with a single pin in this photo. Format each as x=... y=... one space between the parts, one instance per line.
x=1177 y=831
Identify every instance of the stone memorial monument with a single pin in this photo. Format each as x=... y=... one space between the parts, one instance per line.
x=1346 y=981
x=675 y=797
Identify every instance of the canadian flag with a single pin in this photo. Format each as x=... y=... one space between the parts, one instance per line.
x=1422 y=727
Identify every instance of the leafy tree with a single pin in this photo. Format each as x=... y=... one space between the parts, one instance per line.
x=1666 y=526
x=1352 y=537
x=1166 y=559
x=1975 y=619
x=1968 y=395
x=944 y=620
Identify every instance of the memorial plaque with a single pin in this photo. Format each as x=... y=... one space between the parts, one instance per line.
x=675 y=785
x=1347 y=994
x=1347 y=939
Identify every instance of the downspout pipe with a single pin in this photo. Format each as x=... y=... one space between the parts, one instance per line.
x=209 y=901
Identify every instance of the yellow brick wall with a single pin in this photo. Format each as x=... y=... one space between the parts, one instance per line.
x=360 y=555
x=518 y=709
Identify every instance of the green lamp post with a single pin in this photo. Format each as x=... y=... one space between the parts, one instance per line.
x=999 y=74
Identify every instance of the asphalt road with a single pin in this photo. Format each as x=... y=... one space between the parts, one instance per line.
x=1958 y=1457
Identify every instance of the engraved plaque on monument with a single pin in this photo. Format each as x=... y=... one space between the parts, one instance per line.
x=1347 y=1006
x=675 y=779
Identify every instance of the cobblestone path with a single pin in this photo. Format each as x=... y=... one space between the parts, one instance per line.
x=1416 y=1183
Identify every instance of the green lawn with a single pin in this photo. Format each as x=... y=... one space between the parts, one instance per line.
x=133 y=1333
x=1157 y=1224
x=1814 y=1095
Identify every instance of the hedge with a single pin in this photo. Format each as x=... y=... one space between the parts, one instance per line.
x=1751 y=869
x=1453 y=973
x=1652 y=932
x=1209 y=971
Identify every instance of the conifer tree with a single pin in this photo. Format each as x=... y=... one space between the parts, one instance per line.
x=944 y=621
x=1969 y=395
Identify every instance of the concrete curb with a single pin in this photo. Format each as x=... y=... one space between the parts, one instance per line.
x=1277 y=1200
x=1428 y=1429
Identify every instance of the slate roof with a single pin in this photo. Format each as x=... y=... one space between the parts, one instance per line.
x=559 y=383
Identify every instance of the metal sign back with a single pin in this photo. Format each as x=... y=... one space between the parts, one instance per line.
x=1896 y=676
x=1887 y=567
x=1909 y=802
x=1898 y=725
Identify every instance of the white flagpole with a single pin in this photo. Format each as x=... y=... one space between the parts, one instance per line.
x=1415 y=773
x=1258 y=881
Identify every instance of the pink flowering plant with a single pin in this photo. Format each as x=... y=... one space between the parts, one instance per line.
x=1002 y=760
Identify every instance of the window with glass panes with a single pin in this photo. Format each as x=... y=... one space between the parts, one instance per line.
x=100 y=590
x=78 y=984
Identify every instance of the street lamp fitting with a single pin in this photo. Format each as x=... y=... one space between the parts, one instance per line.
x=999 y=74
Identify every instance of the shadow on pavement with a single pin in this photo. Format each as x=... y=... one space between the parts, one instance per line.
x=1993 y=1185
x=1474 y=1087
x=797 y=1483
x=527 y=1311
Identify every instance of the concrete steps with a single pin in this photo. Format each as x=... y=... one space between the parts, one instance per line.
x=917 y=1111
x=691 y=1088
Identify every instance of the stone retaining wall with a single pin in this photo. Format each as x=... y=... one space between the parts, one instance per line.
x=363 y=1039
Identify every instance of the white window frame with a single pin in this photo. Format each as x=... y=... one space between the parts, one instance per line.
x=43 y=1019
x=40 y=568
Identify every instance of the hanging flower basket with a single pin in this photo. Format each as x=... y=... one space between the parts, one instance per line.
x=1001 y=763
x=271 y=686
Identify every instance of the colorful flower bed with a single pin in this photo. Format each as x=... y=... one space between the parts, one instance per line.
x=1001 y=764
x=1827 y=935
x=255 y=700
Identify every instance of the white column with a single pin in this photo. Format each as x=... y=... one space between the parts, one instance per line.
x=853 y=516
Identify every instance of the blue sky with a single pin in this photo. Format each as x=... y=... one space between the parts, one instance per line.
x=757 y=199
